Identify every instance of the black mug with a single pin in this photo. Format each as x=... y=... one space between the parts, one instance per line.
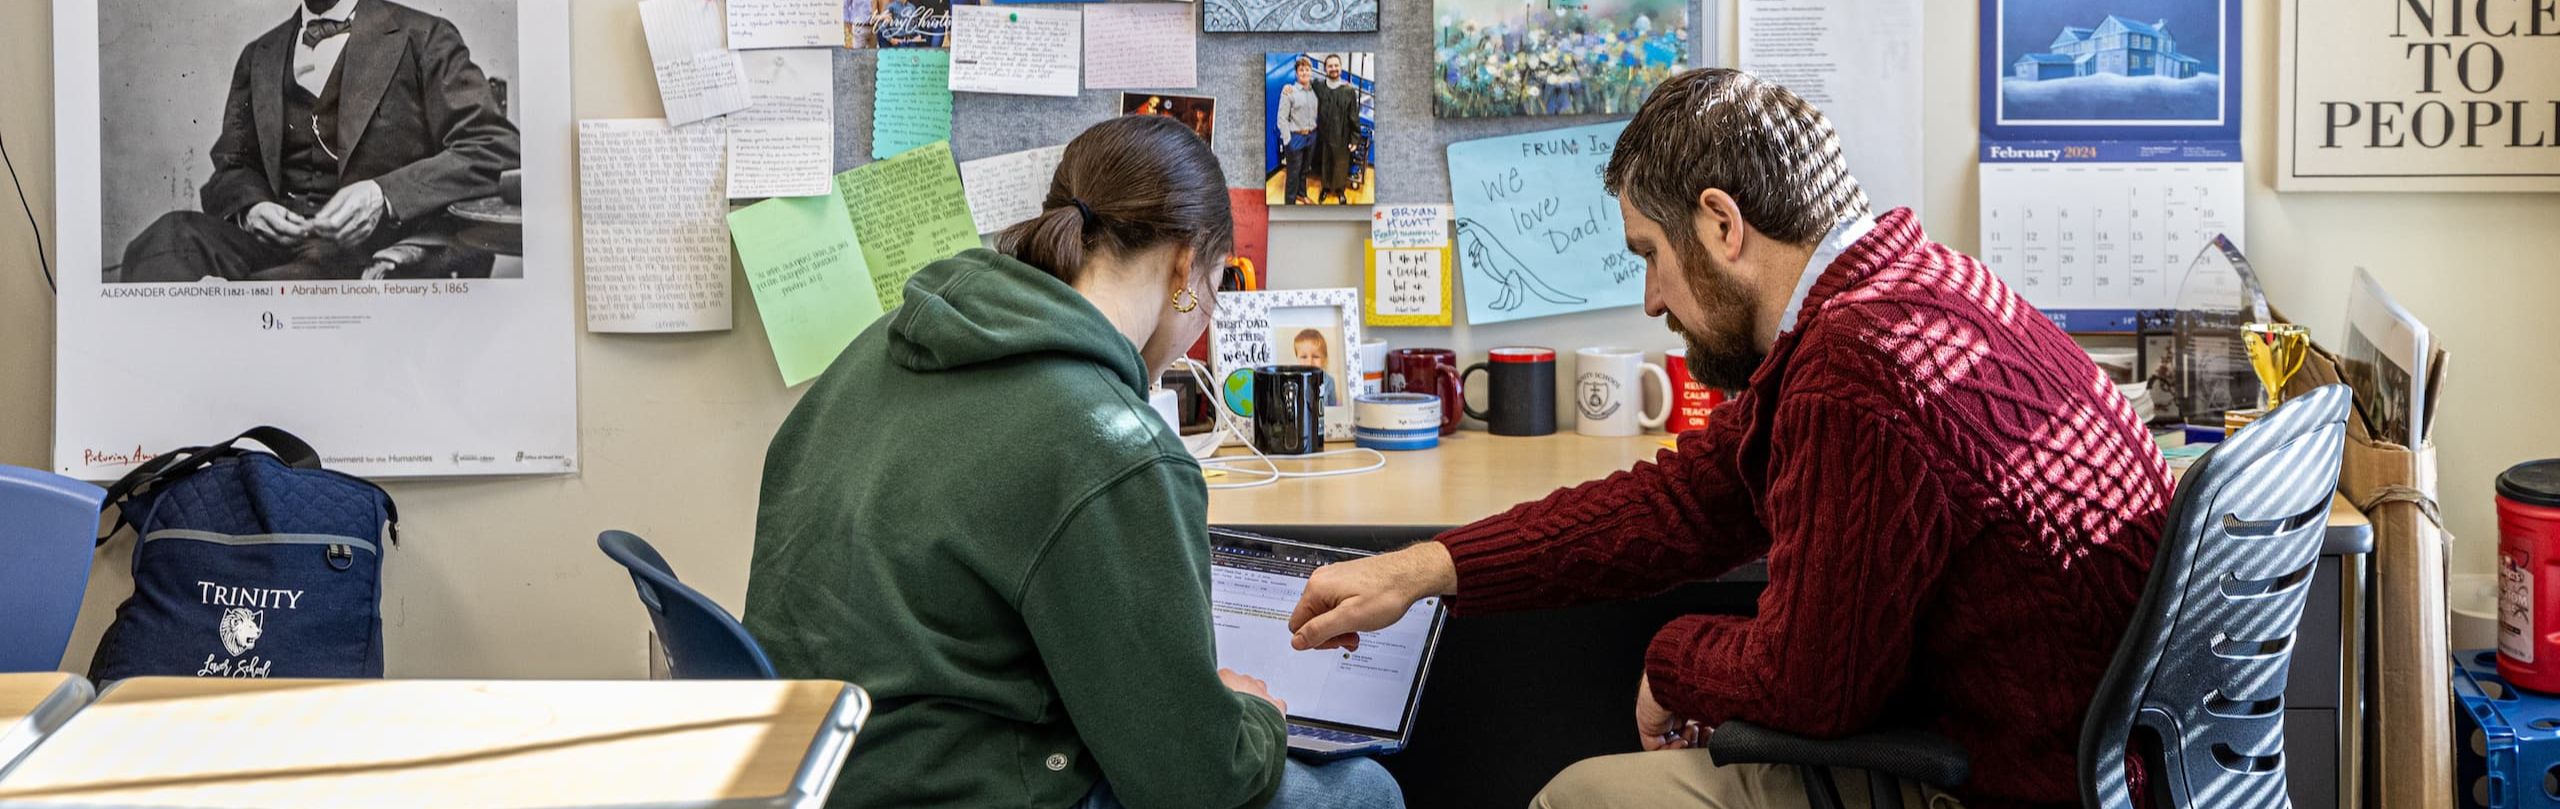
x=1522 y=397
x=1288 y=409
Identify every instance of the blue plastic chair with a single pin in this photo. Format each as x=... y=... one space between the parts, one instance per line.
x=703 y=642
x=48 y=529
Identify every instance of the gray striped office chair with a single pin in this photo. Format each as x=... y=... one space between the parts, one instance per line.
x=2202 y=668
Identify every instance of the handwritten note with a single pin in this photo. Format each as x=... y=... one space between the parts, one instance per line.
x=805 y=264
x=1536 y=234
x=911 y=104
x=784 y=24
x=1396 y=226
x=698 y=76
x=1135 y=45
x=1009 y=188
x=657 y=240
x=1015 y=49
x=1408 y=286
x=910 y=211
x=785 y=145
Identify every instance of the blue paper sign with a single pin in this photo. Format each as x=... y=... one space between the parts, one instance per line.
x=1537 y=236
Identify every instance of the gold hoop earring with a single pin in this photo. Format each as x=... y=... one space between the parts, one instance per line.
x=1185 y=300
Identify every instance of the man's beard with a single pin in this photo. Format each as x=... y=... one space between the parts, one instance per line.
x=1722 y=353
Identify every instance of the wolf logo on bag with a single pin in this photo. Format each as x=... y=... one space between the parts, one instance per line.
x=240 y=629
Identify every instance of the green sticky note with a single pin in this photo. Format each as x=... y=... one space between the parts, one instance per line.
x=911 y=104
x=910 y=211
x=812 y=289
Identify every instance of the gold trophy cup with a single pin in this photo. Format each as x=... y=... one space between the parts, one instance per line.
x=2276 y=352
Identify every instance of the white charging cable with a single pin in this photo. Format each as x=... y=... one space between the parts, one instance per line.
x=1229 y=423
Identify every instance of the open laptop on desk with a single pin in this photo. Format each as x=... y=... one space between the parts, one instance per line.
x=1340 y=703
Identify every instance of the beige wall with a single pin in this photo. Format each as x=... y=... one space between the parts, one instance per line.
x=500 y=577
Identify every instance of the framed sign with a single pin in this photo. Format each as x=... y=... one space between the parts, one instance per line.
x=2418 y=96
x=1408 y=286
x=389 y=277
x=1319 y=327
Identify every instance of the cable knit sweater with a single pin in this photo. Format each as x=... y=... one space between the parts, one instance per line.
x=1957 y=509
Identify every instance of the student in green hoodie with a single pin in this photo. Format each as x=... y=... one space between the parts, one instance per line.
x=974 y=515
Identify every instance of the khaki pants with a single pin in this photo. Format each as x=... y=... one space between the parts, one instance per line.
x=1690 y=779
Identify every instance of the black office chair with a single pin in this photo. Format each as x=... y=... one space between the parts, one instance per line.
x=2203 y=666
x=702 y=641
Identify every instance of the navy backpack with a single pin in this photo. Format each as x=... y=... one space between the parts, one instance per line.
x=248 y=564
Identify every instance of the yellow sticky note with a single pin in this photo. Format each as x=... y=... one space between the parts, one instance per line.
x=1407 y=286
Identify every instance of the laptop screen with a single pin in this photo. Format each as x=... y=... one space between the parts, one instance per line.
x=1254 y=585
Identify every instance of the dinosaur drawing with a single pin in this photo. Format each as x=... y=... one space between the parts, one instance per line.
x=1488 y=258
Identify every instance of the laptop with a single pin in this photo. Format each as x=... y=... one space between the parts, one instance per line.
x=1341 y=703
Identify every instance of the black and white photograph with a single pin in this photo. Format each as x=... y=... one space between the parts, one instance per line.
x=308 y=140
x=350 y=218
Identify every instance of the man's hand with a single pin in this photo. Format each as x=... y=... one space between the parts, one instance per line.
x=272 y=224
x=1246 y=685
x=350 y=217
x=1344 y=599
x=1656 y=727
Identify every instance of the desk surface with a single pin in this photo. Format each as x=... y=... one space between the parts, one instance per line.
x=22 y=694
x=156 y=741
x=1472 y=475
x=32 y=705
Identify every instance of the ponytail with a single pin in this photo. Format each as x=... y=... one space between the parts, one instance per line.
x=1052 y=241
x=1127 y=185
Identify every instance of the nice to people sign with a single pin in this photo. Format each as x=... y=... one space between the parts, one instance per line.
x=2419 y=95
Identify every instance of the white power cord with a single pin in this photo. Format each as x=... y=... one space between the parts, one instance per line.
x=1229 y=423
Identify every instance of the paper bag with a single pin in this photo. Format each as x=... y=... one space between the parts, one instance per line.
x=2408 y=749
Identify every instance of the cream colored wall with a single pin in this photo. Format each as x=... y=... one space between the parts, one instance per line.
x=501 y=578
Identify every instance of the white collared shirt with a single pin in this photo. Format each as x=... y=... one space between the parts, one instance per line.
x=313 y=63
x=1847 y=233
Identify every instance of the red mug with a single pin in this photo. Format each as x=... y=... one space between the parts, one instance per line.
x=1690 y=401
x=1428 y=370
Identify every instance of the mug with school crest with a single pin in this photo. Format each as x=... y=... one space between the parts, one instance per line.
x=1608 y=392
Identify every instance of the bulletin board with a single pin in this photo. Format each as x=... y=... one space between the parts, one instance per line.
x=1411 y=144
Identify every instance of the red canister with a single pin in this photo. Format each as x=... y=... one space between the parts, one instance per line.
x=2529 y=575
x=1690 y=401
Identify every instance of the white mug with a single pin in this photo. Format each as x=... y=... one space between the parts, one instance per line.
x=1608 y=398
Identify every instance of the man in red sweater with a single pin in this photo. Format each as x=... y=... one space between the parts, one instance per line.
x=1957 y=509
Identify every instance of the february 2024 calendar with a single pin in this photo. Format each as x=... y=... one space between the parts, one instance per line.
x=2104 y=237
x=2110 y=151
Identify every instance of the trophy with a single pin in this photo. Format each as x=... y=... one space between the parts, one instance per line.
x=2276 y=352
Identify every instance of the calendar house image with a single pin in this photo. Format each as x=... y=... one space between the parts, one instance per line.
x=2060 y=63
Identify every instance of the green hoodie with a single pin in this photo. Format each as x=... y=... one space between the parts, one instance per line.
x=975 y=516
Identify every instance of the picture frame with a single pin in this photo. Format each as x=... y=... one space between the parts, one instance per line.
x=382 y=354
x=1289 y=327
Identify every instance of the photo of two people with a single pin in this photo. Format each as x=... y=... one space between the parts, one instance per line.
x=1320 y=147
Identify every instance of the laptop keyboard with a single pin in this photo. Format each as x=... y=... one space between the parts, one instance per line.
x=1329 y=735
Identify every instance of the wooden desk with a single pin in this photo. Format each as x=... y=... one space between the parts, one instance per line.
x=1585 y=659
x=168 y=742
x=32 y=706
x=1474 y=475
x=1470 y=476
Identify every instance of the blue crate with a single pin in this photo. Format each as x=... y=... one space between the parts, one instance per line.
x=2506 y=740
